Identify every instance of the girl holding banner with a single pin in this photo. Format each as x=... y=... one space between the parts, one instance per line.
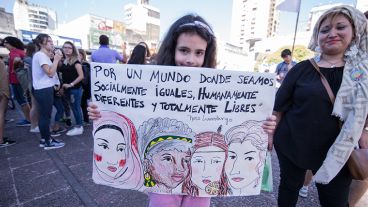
x=189 y=42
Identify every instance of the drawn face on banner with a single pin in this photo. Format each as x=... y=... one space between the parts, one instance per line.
x=207 y=173
x=207 y=164
x=242 y=163
x=247 y=145
x=170 y=167
x=165 y=150
x=116 y=160
x=110 y=150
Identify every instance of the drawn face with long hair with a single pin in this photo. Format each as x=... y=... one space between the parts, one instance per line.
x=247 y=145
x=207 y=165
x=110 y=150
x=169 y=167
x=242 y=164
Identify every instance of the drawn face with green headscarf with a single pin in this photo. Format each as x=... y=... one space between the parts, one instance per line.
x=167 y=161
x=166 y=153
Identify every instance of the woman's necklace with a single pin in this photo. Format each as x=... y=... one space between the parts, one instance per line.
x=332 y=65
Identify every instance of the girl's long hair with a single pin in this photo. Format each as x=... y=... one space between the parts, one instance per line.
x=138 y=55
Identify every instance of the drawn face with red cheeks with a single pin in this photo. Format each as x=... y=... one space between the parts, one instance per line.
x=241 y=165
x=170 y=167
x=335 y=35
x=190 y=50
x=110 y=151
x=207 y=164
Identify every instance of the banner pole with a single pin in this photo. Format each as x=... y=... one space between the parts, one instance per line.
x=296 y=28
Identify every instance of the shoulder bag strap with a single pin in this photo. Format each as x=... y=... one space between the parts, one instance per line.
x=324 y=81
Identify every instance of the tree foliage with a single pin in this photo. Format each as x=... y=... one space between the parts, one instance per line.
x=300 y=53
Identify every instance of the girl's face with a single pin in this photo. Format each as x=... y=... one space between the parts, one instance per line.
x=190 y=50
x=207 y=164
x=67 y=49
x=110 y=151
x=241 y=165
x=335 y=35
x=170 y=167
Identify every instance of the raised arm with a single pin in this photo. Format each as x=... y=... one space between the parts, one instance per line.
x=50 y=71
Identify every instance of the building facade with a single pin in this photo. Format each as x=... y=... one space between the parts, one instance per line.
x=88 y=29
x=252 y=21
x=35 y=18
x=6 y=24
x=143 y=23
x=6 y=28
x=232 y=57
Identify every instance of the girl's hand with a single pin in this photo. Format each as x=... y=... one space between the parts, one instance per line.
x=269 y=127
x=93 y=112
x=363 y=141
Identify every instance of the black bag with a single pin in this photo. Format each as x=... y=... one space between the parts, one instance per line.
x=86 y=73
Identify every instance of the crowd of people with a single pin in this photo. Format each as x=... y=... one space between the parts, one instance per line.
x=307 y=125
x=42 y=77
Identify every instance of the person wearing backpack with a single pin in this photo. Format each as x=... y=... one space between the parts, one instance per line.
x=16 y=54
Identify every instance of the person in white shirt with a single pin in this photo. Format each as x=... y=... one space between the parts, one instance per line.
x=44 y=80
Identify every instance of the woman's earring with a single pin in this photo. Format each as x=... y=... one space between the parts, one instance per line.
x=317 y=58
x=352 y=51
x=318 y=49
x=148 y=182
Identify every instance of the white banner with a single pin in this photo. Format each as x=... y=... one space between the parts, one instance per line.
x=180 y=130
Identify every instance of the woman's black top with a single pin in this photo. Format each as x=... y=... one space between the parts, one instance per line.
x=69 y=74
x=307 y=129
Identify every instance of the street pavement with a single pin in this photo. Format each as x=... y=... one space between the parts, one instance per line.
x=33 y=177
